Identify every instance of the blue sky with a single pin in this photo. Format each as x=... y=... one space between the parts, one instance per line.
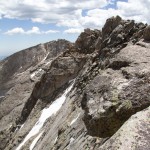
x=24 y=23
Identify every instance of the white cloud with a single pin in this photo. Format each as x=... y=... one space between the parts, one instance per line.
x=69 y=23
x=15 y=31
x=74 y=14
x=135 y=10
x=96 y=18
x=34 y=30
x=88 y=4
x=48 y=11
x=73 y=31
x=51 y=31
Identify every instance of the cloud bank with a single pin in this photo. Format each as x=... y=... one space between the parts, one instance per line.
x=72 y=14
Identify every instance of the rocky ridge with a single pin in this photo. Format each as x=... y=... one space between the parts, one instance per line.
x=106 y=106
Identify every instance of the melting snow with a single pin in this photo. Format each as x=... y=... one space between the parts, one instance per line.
x=55 y=140
x=74 y=120
x=48 y=63
x=2 y=96
x=71 y=140
x=45 y=57
x=20 y=73
x=35 y=73
x=35 y=141
x=46 y=113
x=21 y=126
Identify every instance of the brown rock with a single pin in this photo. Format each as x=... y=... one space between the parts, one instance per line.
x=146 y=34
x=110 y=25
x=86 y=41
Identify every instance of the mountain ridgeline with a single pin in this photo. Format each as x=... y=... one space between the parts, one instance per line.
x=93 y=94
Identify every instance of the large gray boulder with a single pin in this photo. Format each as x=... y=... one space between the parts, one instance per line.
x=133 y=135
x=146 y=34
x=118 y=91
x=87 y=41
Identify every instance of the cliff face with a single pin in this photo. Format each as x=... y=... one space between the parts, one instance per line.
x=94 y=94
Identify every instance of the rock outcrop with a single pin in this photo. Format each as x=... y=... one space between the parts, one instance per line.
x=146 y=33
x=93 y=94
x=88 y=41
x=134 y=134
x=27 y=59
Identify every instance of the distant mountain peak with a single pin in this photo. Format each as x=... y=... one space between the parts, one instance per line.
x=91 y=94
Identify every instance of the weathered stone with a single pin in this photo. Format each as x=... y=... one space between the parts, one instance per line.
x=111 y=75
x=86 y=41
x=146 y=34
x=111 y=98
x=110 y=25
x=134 y=134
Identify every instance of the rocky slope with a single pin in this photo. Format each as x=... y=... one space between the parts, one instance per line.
x=93 y=94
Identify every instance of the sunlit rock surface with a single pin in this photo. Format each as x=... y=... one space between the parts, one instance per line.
x=88 y=95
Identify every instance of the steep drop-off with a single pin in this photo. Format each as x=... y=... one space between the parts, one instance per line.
x=88 y=95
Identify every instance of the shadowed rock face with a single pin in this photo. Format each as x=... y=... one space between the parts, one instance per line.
x=108 y=105
x=115 y=94
x=88 y=41
x=146 y=33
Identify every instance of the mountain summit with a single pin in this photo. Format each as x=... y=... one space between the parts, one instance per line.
x=93 y=94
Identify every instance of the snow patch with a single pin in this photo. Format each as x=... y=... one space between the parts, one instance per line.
x=35 y=73
x=35 y=141
x=2 y=96
x=55 y=139
x=21 y=126
x=71 y=140
x=74 y=120
x=46 y=113
x=48 y=63
x=45 y=57
x=18 y=74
